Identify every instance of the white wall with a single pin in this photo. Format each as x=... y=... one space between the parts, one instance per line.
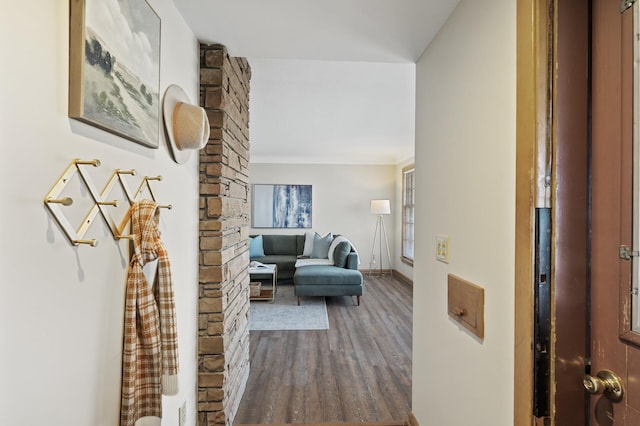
x=61 y=307
x=341 y=197
x=465 y=169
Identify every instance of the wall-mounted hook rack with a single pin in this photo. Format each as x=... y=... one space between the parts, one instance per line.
x=92 y=243
x=113 y=203
x=55 y=202
x=94 y=162
x=65 y=201
x=145 y=183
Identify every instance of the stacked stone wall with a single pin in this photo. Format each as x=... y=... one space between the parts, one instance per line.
x=223 y=342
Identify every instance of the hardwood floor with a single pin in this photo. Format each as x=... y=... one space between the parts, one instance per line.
x=357 y=371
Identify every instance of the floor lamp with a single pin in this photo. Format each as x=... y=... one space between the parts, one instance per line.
x=380 y=207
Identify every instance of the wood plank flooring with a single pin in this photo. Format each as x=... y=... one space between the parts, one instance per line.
x=357 y=371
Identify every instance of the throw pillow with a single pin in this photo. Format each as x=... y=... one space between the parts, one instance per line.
x=308 y=243
x=321 y=246
x=341 y=253
x=256 y=248
x=337 y=240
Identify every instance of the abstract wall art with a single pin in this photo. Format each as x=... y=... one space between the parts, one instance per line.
x=282 y=206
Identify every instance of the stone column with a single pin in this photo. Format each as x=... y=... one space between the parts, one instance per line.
x=223 y=342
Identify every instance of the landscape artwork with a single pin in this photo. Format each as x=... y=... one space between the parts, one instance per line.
x=114 y=67
x=282 y=206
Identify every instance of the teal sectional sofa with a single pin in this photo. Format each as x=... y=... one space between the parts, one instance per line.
x=339 y=279
x=283 y=250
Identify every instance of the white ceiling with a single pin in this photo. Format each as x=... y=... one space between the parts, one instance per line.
x=367 y=31
x=329 y=112
x=334 y=30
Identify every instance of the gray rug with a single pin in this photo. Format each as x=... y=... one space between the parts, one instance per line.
x=285 y=314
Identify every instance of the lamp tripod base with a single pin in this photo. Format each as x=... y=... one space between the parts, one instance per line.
x=378 y=234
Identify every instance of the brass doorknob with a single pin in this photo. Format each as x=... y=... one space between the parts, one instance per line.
x=606 y=383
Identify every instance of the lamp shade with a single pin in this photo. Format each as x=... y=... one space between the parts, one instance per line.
x=380 y=207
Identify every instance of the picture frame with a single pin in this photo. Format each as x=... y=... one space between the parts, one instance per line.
x=281 y=206
x=114 y=67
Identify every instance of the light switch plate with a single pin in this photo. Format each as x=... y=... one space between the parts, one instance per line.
x=442 y=248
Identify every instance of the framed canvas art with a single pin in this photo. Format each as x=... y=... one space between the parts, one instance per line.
x=282 y=206
x=114 y=67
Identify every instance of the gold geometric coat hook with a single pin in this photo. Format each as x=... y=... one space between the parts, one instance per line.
x=55 y=203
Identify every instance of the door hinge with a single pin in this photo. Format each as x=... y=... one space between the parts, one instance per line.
x=626 y=253
x=626 y=4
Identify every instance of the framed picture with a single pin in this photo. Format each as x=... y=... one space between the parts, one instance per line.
x=114 y=67
x=281 y=206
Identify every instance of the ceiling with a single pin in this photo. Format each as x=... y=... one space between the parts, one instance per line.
x=364 y=31
x=334 y=30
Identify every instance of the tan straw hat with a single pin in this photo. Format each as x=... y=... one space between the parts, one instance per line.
x=187 y=124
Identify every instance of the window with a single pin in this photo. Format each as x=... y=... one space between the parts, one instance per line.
x=408 y=213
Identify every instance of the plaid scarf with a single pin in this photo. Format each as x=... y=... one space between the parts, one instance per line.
x=150 y=353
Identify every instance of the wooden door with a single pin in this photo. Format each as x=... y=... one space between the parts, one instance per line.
x=611 y=226
x=570 y=208
x=591 y=332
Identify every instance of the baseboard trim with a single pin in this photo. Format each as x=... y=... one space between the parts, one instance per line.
x=405 y=279
x=412 y=421
x=376 y=272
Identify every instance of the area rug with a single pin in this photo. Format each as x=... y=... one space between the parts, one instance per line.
x=285 y=314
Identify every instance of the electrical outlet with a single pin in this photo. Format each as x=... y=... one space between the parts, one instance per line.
x=442 y=248
x=182 y=414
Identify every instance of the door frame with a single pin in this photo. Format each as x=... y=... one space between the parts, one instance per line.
x=530 y=97
x=546 y=114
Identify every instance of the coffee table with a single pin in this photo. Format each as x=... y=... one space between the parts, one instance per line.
x=269 y=270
